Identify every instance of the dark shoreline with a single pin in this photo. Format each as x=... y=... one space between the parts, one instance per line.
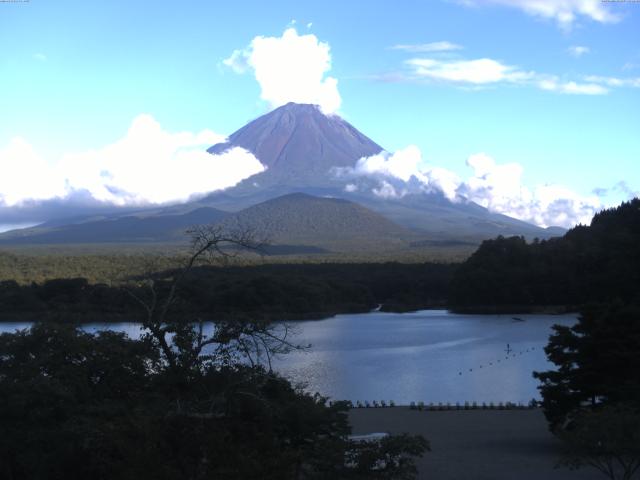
x=514 y=309
x=80 y=317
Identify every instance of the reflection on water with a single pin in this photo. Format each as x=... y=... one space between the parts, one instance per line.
x=430 y=356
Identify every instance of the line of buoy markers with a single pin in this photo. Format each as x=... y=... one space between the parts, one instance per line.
x=506 y=358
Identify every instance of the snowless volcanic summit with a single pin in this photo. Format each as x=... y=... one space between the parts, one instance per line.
x=304 y=149
x=300 y=145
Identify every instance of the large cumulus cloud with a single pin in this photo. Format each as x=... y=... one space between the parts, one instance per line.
x=148 y=165
x=497 y=187
x=290 y=68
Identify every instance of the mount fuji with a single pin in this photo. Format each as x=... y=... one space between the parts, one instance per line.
x=306 y=154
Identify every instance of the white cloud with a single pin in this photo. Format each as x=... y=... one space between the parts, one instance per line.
x=497 y=187
x=41 y=57
x=238 y=61
x=290 y=68
x=486 y=71
x=478 y=72
x=386 y=190
x=25 y=174
x=482 y=72
x=149 y=165
x=402 y=164
x=442 y=180
x=614 y=81
x=443 y=46
x=554 y=85
x=578 y=50
x=564 y=12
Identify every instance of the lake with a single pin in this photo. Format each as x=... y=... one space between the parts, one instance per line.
x=430 y=356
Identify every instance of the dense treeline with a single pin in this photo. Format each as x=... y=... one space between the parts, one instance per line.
x=179 y=402
x=267 y=291
x=595 y=263
x=75 y=405
x=112 y=263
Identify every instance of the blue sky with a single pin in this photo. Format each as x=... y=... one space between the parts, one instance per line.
x=550 y=89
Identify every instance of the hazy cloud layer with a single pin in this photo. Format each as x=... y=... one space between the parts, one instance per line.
x=614 y=81
x=149 y=165
x=488 y=72
x=479 y=72
x=485 y=72
x=564 y=12
x=290 y=68
x=578 y=50
x=554 y=85
x=442 y=46
x=498 y=187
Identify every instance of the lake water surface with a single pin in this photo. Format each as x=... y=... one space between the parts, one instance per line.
x=431 y=356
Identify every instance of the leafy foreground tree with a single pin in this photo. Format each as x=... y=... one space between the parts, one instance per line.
x=607 y=439
x=183 y=402
x=592 y=400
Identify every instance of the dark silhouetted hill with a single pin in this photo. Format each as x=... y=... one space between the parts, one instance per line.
x=595 y=263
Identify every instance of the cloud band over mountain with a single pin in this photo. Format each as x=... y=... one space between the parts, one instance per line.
x=148 y=165
x=497 y=187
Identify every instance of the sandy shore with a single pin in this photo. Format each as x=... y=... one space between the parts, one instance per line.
x=476 y=444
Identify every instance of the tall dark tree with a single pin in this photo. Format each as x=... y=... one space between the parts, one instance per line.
x=607 y=439
x=597 y=362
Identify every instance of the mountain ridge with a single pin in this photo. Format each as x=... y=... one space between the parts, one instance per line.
x=430 y=213
x=301 y=149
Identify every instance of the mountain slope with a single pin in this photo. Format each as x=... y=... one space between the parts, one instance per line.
x=301 y=148
x=299 y=145
x=329 y=223
x=128 y=228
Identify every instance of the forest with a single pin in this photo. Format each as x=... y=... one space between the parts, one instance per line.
x=160 y=407
x=588 y=264
x=272 y=292
x=594 y=263
x=176 y=403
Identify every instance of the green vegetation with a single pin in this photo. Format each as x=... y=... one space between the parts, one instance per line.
x=596 y=362
x=592 y=398
x=589 y=264
x=275 y=292
x=607 y=439
x=76 y=406
x=178 y=403
x=114 y=263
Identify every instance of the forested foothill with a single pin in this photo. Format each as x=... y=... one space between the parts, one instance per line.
x=595 y=263
x=274 y=292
